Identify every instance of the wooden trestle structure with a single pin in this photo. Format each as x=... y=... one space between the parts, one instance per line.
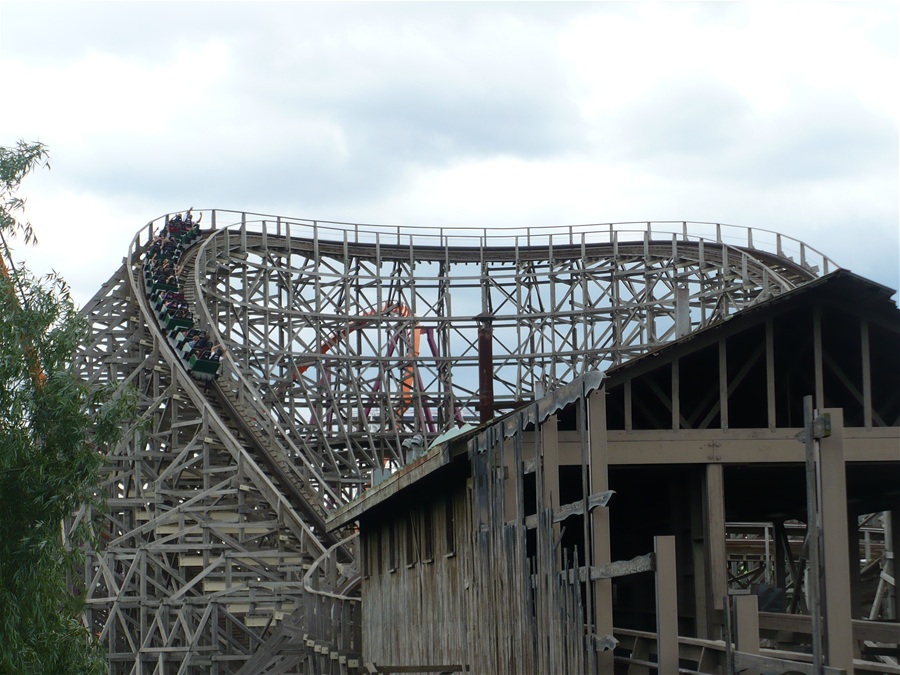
x=229 y=543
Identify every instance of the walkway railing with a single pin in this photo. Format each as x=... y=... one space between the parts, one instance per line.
x=750 y=239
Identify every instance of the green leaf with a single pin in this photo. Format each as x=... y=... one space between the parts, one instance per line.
x=52 y=432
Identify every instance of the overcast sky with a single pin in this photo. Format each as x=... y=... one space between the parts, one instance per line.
x=781 y=116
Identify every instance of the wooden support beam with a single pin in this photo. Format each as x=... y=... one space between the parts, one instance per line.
x=838 y=608
x=702 y=615
x=784 y=558
x=814 y=587
x=600 y=545
x=770 y=374
x=714 y=522
x=666 y=604
x=817 y=357
x=891 y=551
x=670 y=403
x=682 y=309
x=676 y=396
x=851 y=387
x=863 y=629
x=866 y=373
x=727 y=388
x=746 y=608
x=619 y=568
x=723 y=385
x=629 y=418
x=770 y=665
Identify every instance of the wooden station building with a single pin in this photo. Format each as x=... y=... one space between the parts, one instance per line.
x=613 y=525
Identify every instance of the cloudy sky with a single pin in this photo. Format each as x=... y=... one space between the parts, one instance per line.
x=781 y=116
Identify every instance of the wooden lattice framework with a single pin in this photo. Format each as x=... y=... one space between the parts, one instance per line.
x=343 y=342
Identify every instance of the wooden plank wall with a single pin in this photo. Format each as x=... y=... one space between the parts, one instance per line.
x=484 y=606
x=413 y=608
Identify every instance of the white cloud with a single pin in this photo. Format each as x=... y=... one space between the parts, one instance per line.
x=105 y=94
x=778 y=115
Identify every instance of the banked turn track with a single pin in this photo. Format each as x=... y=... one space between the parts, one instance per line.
x=346 y=343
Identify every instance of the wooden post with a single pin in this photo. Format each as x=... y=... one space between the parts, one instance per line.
x=782 y=554
x=485 y=368
x=866 y=373
x=770 y=375
x=838 y=605
x=676 y=395
x=682 y=310
x=891 y=551
x=854 y=534
x=723 y=385
x=714 y=522
x=817 y=356
x=747 y=613
x=666 y=605
x=702 y=614
x=813 y=534
x=629 y=418
x=600 y=547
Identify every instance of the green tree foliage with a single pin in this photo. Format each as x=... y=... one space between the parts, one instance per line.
x=54 y=430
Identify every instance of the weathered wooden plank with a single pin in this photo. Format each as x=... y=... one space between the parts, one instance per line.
x=619 y=568
x=746 y=609
x=874 y=631
x=769 y=665
x=599 y=499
